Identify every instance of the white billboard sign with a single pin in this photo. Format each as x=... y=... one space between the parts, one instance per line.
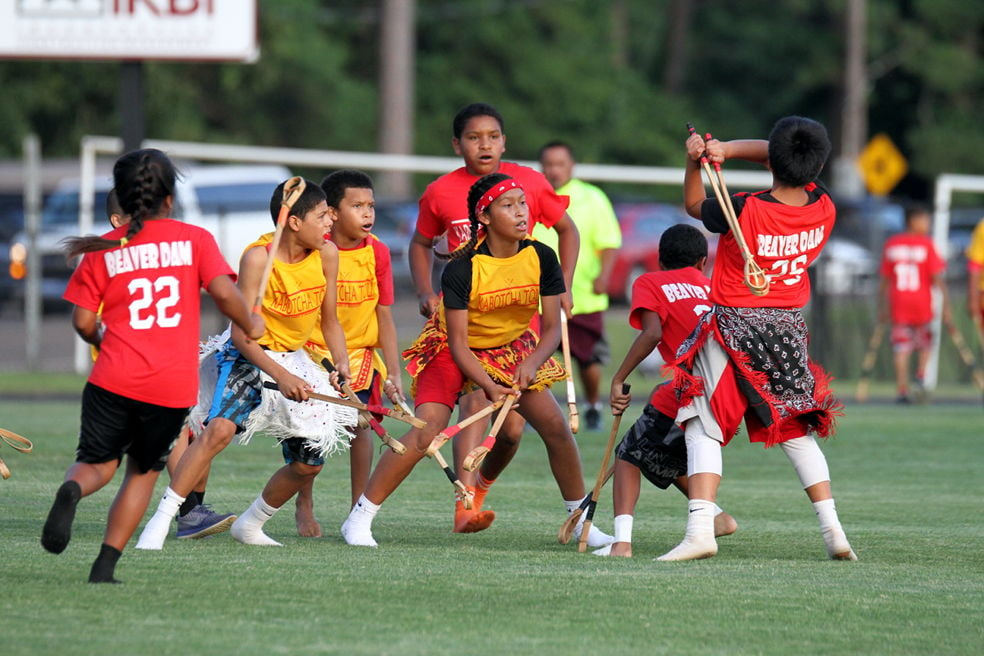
x=216 y=30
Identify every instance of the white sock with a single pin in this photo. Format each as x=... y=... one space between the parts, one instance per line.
x=248 y=527
x=717 y=510
x=357 y=528
x=155 y=532
x=833 y=534
x=573 y=505
x=698 y=541
x=623 y=528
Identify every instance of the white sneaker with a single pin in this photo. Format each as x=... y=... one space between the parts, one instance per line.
x=358 y=534
x=596 y=537
x=838 y=548
x=247 y=533
x=691 y=550
x=154 y=533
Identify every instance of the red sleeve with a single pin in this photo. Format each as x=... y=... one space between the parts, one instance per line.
x=211 y=264
x=550 y=207
x=646 y=296
x=429 y=223
x=84 y=287
x=384 y=272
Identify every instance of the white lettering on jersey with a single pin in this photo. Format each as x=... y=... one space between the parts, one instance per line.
x=790 y=245
x=140 y=257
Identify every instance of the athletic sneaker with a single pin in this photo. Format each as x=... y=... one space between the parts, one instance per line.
x=593 y=419
x=201 y=522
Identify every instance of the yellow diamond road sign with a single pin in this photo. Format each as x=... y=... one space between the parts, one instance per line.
x=882 y=165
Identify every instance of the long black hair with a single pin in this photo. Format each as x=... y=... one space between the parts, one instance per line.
x=143 y=179
x=481 y=186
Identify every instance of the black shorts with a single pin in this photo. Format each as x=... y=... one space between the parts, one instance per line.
x=113 y=425
x=656 y=445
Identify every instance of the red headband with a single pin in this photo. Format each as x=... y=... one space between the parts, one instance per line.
x=489 y=196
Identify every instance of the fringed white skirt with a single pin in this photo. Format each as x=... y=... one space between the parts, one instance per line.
x=327 y=428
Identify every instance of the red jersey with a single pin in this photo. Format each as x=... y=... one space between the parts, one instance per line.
x=443 y=208
x=909 y=263
x=785 y=240
x=149 y=291
x=680 y=297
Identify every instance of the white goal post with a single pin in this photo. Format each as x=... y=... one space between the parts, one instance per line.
x=946 y=185
x=93 y=146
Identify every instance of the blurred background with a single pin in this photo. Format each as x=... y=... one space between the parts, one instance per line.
x=617 y=79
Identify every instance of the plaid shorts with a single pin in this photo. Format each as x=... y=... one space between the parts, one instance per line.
x=656 y=445
x=911 y=337
x=238 y=388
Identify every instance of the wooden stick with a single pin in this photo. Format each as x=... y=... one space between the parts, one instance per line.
x=4 y=470
x=754 y=277
x=868 y=363
x=293 y=188
x=965 y=353
x=451 y=431
x=582 y=543
x=15 y=441
x=566 y=531
x=565 y=342
x=477 y=455
x=370 y=422
x=377 y=409
x=463 y=492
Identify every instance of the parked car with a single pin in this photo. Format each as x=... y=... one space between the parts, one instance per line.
x=232 y=202
x=642 y=225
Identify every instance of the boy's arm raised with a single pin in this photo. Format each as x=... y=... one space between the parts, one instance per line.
x=420 y=256
x=250 y=271
x=331 y=328
x=568 y=246
x=645 y=342
x=232 y=303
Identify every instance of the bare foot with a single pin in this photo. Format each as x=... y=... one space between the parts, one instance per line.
x=621 y=549
x=724 y=524
x=307 y=524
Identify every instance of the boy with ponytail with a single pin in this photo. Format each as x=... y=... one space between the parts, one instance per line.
x=146 y=275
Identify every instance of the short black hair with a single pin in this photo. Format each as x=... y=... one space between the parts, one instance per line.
x=556 y=143
x=912 y=210
x=468 y=112
x=311 y=196
x=681 y=246
x=335 y=184
x=798 y=149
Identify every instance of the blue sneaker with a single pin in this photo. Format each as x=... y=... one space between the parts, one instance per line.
x=202 y=522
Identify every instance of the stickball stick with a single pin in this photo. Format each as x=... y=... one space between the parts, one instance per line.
x=755 y=278
x=462 y=492
x=582 y=543
x=293 y=189
x=965 y=354
x=16 y=442
x=868 y=363
x=565 y=342
x=373 y=408
x=477 y=455
x=566 y=531
x=451 y=431
x=365 y=417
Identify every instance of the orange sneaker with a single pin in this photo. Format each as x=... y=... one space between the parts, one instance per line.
x=470 y=521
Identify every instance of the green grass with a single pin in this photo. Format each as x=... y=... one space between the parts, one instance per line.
x=907 y=481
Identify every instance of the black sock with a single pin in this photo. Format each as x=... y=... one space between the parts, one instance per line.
x=102 y=570
x=58 y=527
x=190 y=502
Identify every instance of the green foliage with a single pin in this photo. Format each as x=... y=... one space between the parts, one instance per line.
x=555 y=68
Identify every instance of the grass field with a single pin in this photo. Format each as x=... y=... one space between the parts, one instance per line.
x=907 y=481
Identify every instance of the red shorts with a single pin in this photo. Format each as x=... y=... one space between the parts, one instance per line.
x=908 y=337
x=440 y=381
